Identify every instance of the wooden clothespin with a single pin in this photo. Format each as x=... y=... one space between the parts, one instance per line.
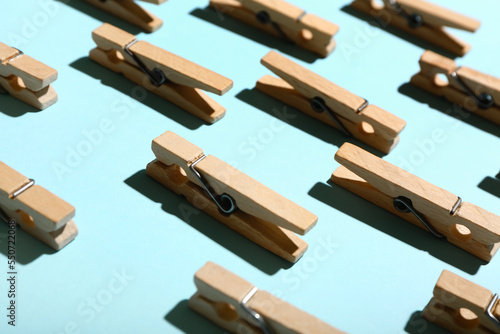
x=463 y=307
x=239 y=307
x=284 y=20
x=38 y=211
x=228 y=195
x=419 y=202
x=329 y=103
x=423 y=20
x=172 y=77
x=475 y=91
x=129 y=11
x=26 y=78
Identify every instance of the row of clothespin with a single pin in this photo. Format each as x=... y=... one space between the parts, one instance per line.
x=236 y=305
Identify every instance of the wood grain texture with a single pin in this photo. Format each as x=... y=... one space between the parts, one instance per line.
x=298 y=86
x=36 y=210
x=430 y=33
x=129 y=11
x=219 y=297
x=453 y=293
x=380 y=182
x=308 y=31
x=433 y=64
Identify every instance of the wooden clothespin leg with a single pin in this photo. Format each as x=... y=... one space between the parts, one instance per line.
x=463 y=307
x=38 y=211
x=228 y=195
x=423 y=20
x=440 y=212
x=26 y=78
x=232 y=303
x=172 y=77
x=284 y=20
x=329 y=103
x=477 y=92
x=129 y=11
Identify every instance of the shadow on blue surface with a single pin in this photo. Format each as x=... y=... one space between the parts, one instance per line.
x=224 y=236
x=419 y=325
x=448 y=108
x=224 y=21
x=298 y=119
x=370 y=214
x=13 y=107
x=28 y=249
x=100 y=15
x=190 y=322
x=491 y=185
x=396 y=32
x=127 y=87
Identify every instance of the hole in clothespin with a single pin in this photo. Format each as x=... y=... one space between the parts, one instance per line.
x=366 y=128
x=177 y=175
x=306 y=35
x=465 y=318
x=16 y=83
x=461 y=232
x=26 y=218
x=226 y=311
x=115 y=56
x=441 y=80
x=377 y=4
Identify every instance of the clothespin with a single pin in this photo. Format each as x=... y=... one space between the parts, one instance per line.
x=38 y=211
x=172 y=77
x=284 y=20
x=440 y=212
x=329 y=103
x=475 y=91
x=239 y=307
x=26 y=78
x=461 y=306
x=129 y=11
x=423 y=20
x=228 y=195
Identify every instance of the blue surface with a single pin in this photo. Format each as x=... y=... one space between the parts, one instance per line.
x=366 y=271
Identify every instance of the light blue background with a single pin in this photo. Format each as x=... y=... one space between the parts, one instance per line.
x=366 y=270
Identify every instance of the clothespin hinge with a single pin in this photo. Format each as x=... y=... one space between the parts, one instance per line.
x=156 y=76
x=489 y=311
x=483 y=100
x=414 y=20
x=256 y=316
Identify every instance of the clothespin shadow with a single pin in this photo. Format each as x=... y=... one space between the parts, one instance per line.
x=232 y=241
x=448 y=108
x=386 y=222
x=28 y=249
x=13 y=107
x=299 y=120
x=190 y=322
x=118 y=82
x=491 y=185
x=101 y=15
x=218 y=18
x=417 y=324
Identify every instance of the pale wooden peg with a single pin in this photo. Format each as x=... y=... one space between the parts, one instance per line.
x=298 y=86
x=423 y=20
x=26 y=78
x=477 y=92
x=461 y=223
x=260 y=214
x=222 y=298
x=184 y=82
x=38 y=211
x=285 y=20
x=461 y=306
x=129 y=11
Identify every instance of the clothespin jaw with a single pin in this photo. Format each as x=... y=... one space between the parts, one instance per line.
x=284 y=20
x=417 y=201
x=129 y=11
x=305 y=91
x=477 y=92
x=38 y=211
x=228 y=195
x=423 y=20
x=227 y=300
x=26 y=78
x=462 y=306
x=174 y=78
